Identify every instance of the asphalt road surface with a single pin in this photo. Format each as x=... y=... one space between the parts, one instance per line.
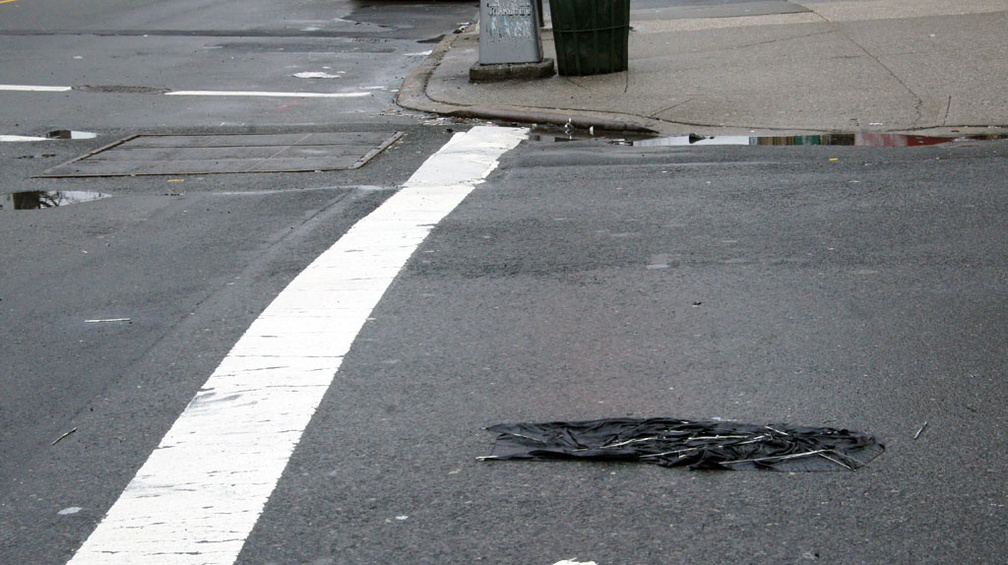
x=143 y=292
x=850 y=287
x=846 y=287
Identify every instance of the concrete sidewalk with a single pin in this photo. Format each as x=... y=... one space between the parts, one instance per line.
x=922 y=66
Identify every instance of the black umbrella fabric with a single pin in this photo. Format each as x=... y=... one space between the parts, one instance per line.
x=710 y=445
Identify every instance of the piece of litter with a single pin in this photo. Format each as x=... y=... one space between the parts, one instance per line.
x=920 y=431
x=706 y=445
x=70 y=510
x=106 y=320
x=59 y=439
x=573 y=562
x=402 y=517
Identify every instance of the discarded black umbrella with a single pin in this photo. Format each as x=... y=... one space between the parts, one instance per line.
x=694 y=444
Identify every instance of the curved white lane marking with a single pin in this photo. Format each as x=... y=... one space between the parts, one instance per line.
x=21 y=138
x=202 y=490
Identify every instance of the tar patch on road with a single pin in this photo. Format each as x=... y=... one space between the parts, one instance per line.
x=141 y=155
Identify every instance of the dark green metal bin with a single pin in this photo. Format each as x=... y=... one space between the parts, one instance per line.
x=591 y=36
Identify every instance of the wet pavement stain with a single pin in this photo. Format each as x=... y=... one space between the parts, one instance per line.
x=41 y=199
x=43 y=156
x=119 y=89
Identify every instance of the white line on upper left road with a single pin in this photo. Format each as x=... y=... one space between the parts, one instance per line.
x=266 y=94
x=233 y=93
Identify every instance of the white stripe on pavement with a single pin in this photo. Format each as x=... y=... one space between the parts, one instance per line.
x=267 y=94
x=33 y=88
x=21 y=138
x=234 y=93
x=202 y=490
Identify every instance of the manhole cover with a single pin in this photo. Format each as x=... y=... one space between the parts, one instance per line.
x=239 y=153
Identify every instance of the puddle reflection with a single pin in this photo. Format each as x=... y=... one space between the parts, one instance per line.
x=848 y=139
x=549 y=134
x=39 y=199
x=71 y=134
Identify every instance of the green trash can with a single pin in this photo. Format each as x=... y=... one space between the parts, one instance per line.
x=591 y=36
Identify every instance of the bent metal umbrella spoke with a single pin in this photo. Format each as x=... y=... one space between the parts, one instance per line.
x=669 y=442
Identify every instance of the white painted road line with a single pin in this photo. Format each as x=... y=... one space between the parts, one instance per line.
x=266 y=94
x=33 y=88
x=233 y=93
x=202 y=490
x=21 y=138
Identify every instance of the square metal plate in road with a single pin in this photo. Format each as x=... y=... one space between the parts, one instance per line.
x=238 y=153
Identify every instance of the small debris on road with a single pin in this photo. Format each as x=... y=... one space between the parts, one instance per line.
x=59 y=439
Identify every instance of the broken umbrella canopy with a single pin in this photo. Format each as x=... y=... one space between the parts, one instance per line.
x=697 y=445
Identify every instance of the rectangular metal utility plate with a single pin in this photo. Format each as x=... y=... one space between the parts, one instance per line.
x=230 y=153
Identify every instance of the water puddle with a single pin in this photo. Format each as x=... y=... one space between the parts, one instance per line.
x=848 y=139
x=40 y=199
x=56 y=134
x=832 y=139
x=71 y=134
